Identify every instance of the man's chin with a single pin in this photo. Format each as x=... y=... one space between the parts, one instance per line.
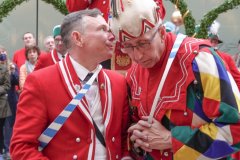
x=146 y=64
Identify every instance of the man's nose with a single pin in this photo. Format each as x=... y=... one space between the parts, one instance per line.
x=111 y=36
x=137 y=55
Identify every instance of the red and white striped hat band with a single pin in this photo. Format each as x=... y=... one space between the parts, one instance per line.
x=132 y=18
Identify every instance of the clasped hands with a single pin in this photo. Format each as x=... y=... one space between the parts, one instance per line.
x=150 y=136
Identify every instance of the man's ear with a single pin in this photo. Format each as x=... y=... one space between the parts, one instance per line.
x=77 y=38
x=162 y=32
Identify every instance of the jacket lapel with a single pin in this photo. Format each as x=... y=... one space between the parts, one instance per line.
x=54 y=56
x=105 y=97
x=72 y=85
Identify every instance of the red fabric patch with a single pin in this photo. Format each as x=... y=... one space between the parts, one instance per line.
x=211 y=107
x=176 y=145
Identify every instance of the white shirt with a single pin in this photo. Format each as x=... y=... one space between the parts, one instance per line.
x=95 y=107
x=60 y=56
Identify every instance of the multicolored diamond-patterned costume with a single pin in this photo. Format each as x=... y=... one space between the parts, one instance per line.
x=199 y=102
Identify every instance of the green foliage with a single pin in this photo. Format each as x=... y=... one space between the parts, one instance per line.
x=213 y=14
x=8 y=5
x=59 y=5
x=189 y=21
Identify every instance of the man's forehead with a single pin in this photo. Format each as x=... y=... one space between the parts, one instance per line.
x=95 y=20
x=28 y=35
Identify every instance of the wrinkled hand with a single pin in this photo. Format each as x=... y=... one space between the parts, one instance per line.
x=150 y=136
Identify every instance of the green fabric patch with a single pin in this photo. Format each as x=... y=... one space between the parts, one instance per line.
x=228 y=114
x=183 y=133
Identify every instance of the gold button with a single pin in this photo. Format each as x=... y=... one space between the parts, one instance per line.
x=195 y=82
x=75 y=156
x=102 y=86
x=185 y=113
x=165 y=154
x=113 y=139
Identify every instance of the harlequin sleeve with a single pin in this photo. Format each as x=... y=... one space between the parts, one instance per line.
x=215 y=113
x=76 y=5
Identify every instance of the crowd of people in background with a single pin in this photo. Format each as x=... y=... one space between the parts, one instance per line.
x=13 y=74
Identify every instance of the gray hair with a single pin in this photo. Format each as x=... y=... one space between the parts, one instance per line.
x=46 y=38
x=74 y=21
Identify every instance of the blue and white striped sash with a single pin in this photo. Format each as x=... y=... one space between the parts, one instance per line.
x=54 y=127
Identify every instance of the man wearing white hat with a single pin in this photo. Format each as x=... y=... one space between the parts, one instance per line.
x=119 y=62
x=185 y=102
x=57 y=54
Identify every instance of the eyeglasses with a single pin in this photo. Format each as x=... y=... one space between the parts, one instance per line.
x=141 y=45
x=58 y=40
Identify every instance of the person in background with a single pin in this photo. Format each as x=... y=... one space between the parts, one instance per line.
x=227 y=58
x=170 y=27
x=49 y=44
x=5 y=110
x=32 y=53
x=97 y=128
x=236 y=57
x=184 y=101
x=12 y=100
x=19 y=55
x=57 y=54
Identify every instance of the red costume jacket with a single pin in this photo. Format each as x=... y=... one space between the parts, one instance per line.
x=47 y=59
x=46 y=94
x=193 y=98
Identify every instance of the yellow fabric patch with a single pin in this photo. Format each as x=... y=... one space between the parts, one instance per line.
x=168 y=114
x=210 y=129
x=238 y=101
x=211 y=86
x=186 y=153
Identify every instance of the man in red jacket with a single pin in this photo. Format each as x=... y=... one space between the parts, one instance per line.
x=19 y=57
x=184 y=101
x=57 y=54
x=103 y=111
x=236 y=56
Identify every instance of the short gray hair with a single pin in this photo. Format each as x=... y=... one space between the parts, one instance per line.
x=74 y=21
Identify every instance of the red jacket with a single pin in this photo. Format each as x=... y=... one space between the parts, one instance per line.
x=46 y=60
x=45 y=95
x=19 y=57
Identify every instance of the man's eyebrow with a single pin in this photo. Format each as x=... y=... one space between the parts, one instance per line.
x=103 y=25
